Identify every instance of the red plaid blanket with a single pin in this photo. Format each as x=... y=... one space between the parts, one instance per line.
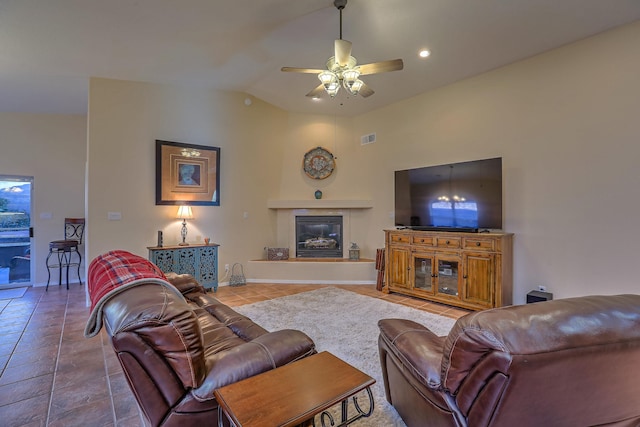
x=116 y=268
x=113 y=273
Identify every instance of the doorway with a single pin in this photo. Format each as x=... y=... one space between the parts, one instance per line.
x=15 y=230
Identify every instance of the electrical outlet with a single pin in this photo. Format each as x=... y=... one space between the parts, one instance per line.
x=542 y=288
x=226 y=268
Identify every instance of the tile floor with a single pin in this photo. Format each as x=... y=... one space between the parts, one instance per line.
x=50 y=375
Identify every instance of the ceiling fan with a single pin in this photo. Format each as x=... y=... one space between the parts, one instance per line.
x=342 y=68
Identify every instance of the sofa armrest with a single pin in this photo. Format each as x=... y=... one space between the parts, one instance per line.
x=160 y=319
x=262 y=354
x=419 y=349
x=185 y=283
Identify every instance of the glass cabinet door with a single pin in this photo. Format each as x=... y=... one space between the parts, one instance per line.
x=448 y=276
x=423 y=273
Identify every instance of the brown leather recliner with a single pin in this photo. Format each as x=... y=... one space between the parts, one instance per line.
x=176 y=353
x=569 y=362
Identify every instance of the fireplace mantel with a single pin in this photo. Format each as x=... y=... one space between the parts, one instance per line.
x=319 y=204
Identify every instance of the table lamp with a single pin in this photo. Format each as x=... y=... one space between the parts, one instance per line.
x=184 y=213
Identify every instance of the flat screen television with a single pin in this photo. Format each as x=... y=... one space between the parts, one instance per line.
x=463 y=196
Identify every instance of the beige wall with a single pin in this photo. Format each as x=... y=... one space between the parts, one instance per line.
x=349 y=181
x=52 y=149
x=565 y=123
x=125 y=119
x=305 y=132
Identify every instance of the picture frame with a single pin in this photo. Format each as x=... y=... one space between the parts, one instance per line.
x=187 y=174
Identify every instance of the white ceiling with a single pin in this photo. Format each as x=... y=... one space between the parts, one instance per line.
x=49 y=48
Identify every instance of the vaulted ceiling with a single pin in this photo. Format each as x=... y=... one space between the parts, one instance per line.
x=50 y=48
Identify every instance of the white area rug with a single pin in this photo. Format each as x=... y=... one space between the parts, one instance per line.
x=345 y=324
x=12 y=293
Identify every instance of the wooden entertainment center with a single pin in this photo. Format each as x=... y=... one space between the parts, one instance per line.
x=467 y=270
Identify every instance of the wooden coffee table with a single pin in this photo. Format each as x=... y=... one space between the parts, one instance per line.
x=295 y=393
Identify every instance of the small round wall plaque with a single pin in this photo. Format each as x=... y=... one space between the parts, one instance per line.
x=318 y=163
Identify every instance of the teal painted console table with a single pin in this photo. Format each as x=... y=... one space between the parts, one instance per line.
x=201 y=261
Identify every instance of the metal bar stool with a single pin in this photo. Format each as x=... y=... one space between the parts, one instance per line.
x=61 y=252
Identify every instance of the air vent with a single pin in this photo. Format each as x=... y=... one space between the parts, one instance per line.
x=368 y=139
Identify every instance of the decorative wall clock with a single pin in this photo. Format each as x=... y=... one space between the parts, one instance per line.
x=318 y=163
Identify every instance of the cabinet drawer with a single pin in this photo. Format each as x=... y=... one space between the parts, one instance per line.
x=481 y=244
x=448 y=242
x=399 y=238
x=423 y=240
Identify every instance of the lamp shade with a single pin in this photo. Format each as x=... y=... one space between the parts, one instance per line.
x=184 y=212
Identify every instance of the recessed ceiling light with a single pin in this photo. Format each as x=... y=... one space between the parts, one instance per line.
x=424 y=53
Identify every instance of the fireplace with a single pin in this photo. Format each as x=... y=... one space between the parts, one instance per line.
x=319 y=236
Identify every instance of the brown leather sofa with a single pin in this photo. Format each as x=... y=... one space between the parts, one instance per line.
x=569 y=362
x=175 y=353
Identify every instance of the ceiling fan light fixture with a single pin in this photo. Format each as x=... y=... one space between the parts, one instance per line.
x=327 y=78
x=333 y=89
x=350 y=76
x=356 y=86
x=343 y=69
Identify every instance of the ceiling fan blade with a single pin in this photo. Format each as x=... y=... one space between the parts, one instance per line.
x=365 y=91
x=381 y=67
x=342 y=52
x=317 y=92
x=301 y=70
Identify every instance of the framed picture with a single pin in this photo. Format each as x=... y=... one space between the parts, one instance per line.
x=187 y=174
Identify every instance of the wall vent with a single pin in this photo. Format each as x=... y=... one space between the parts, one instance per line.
x=368 y=139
